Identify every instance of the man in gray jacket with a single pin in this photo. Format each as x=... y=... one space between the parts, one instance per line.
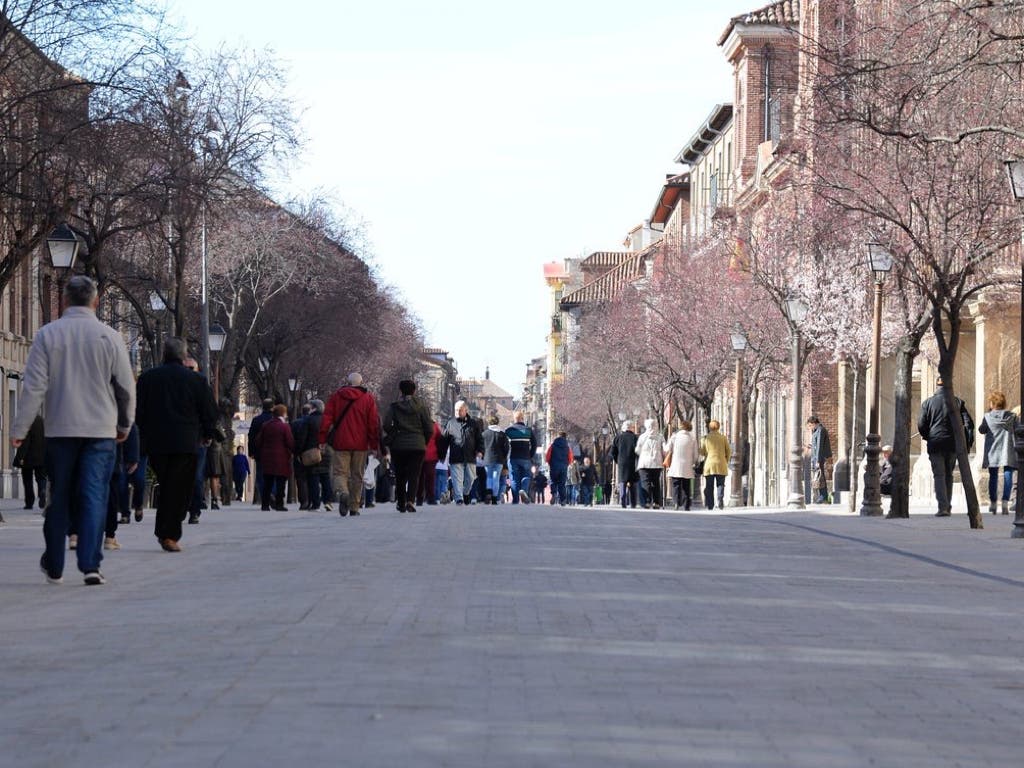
x=79 y=374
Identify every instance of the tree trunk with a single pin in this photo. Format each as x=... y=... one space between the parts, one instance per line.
x=947 y=359
x=906 y=351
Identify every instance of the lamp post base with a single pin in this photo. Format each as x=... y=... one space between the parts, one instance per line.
x=1018 y=514
x=871 y=506
x=796 y=479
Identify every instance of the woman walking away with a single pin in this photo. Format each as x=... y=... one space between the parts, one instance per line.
x=407 y=428
x=496 y=449
x=650 y=454
x=276 y=446
x=682 y=455
x=716 y=452
x=997 y=427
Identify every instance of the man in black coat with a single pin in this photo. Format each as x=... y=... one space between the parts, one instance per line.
x=624 y=456
x=254 y=454
x=936 y=425
x=175 y=412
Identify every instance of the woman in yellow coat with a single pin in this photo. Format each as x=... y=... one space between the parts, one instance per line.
x=715 y=450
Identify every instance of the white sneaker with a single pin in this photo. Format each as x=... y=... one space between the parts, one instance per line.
x=110 y=543
x=94 y=579
x=72 y=541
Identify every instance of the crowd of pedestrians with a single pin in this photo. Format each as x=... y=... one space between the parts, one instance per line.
x=85 y=464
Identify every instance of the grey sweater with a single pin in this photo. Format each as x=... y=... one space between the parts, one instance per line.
x=78 y=372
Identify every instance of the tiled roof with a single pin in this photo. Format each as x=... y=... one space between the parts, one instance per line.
x=608 y=284
x=605 y=259
x=782 y=12
x=480 y=388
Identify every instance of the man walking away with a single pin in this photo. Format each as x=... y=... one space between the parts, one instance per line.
x=559 y=457
x=624 y=455
x=522 y=448
x=79 y=373
x=254 y=453
x=936 y=426
x=496 y=448
x=176 y=413
x=351 y=413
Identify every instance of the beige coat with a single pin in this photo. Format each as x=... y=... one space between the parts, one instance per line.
x=716 y=452
x=683 y=446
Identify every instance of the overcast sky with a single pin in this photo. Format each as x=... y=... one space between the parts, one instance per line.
x=480 y=140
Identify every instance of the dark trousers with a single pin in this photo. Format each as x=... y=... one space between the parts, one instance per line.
x=943 y=466
x=239 y=487
x=134 y=484
x=319 y=487
x=407 y=466
x=273 y=489
x=651 y=480
x=428 y=483
x=681 y=489
x=116 y=502
x=710 y=481
x=257 y=486
x=176 y=473
x=300 y=476
x=628 y=493
x=27 y=475
x=558 y=476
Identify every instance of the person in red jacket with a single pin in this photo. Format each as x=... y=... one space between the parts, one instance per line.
x=276 y=446
x=352 y=413
x=428 y=481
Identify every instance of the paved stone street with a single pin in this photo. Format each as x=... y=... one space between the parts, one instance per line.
x=519 y=636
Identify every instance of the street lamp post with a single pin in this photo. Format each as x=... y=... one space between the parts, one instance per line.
x=739 y=345
x=1015 y=170
x=158 y=305
x=796 y=313
x=216 y=338
x=293 y=386
x=63 y=245
x=880 y=263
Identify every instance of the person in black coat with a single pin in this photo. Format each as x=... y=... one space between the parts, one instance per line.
x=175 y=412
x=30 y=458
x=318 y=476
x=254 y=453
x=624 y=456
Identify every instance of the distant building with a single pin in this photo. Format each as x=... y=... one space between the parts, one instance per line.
x=437 y=383
x=485 y=398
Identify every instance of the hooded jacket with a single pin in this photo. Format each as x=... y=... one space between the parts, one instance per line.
x=998 y=428
x=358 y=427
x=649 y=449
x=496 y=445
x=407 y=425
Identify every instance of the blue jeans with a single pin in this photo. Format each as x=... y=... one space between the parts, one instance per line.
x=135 y=483
x=494 y=479
x=440 y=483
x=993 y=483
x=520 y=470
x=199 y=489
x=80 y=469
x=586 y=495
